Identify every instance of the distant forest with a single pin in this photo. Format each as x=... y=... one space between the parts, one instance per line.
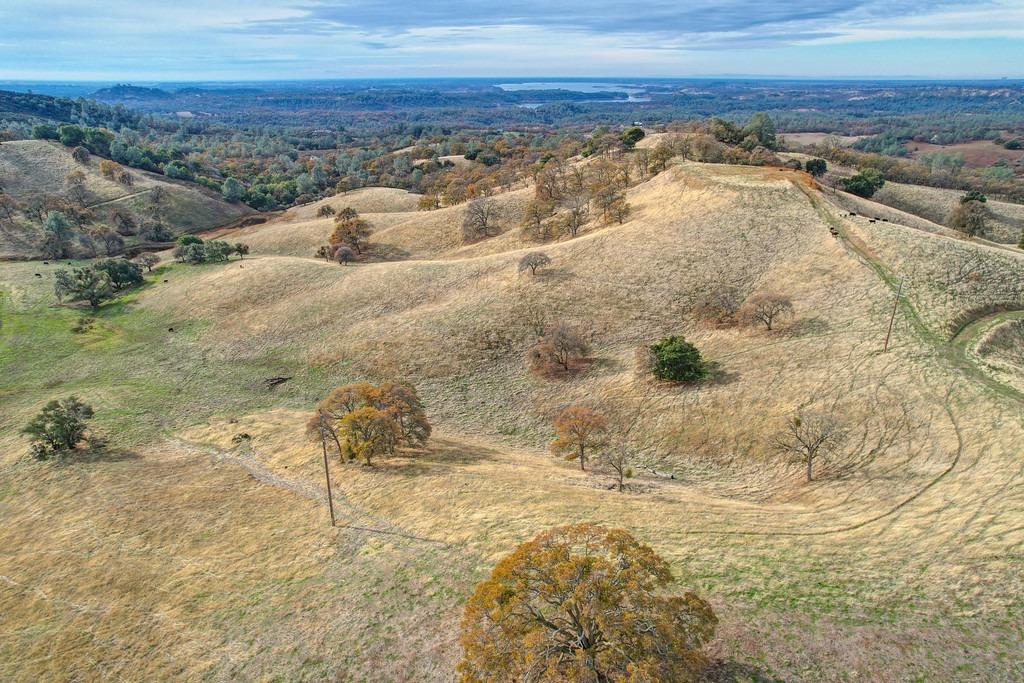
x=273 y=145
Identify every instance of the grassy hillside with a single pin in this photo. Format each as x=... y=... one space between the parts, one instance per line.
x=32 y=169
x=1006 y=223
x=179 y=553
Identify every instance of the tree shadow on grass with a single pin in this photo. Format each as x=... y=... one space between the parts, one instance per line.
x=97 y=455
x=723 y=671
x=806 y=327
x=554 y=275
x=438 y=453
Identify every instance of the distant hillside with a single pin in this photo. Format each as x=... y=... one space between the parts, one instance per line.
x=126 y=93
x=36 y=171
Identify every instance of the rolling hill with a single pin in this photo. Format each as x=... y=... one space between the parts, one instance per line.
x=188 y=551
x=31 y=169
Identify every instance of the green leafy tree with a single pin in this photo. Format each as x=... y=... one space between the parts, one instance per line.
x=83 y=284
x=70 y=135
x=865 y=183
x=57 y=235
x=59 y=427
x=233 y=190
x=122 y=273
x=762 y=129
x=816 y=167
x=631 y=136
x=241 y=249
x=45 y=131
x=216 y=250
x=677 y=360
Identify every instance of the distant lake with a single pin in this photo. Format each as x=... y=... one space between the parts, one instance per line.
x=574 y=86
x=633 y=93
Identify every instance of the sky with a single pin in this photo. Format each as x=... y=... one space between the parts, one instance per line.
x=206 y=40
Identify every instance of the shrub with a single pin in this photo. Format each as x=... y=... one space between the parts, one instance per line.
x=583 y=603
x=59 y=427
x=187 y=239
x=677 y=360
x=80 y=154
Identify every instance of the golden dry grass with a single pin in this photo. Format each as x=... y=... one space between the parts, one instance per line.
x=34 y=168
x=902 y=563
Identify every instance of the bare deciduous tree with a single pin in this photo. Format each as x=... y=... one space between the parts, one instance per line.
x=765 y=308
x=561 y=345
x=480 y=220
x=809 y=436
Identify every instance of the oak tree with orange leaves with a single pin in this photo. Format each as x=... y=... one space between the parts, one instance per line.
x=350 y=230
x=579 y=429
x=583 y=603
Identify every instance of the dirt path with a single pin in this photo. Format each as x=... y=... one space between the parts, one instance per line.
x=359 y=519
x=957 y=349
x=117 y=199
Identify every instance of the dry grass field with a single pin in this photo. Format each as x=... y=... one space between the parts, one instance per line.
x=1005 y=224
x=804 y=139
x=180 y=553
x=976 y=154
x=34 y=168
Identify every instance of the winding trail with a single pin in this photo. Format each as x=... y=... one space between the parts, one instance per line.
x=956 y=350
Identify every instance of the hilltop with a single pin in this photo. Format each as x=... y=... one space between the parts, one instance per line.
x=188 y=551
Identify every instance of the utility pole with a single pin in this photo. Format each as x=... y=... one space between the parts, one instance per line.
x=892 y=317
x=327 y=469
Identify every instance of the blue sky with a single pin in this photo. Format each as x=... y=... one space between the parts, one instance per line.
x=140 y=40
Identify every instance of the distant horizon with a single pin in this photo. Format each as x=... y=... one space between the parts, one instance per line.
x=258 y=40
x=150 y=82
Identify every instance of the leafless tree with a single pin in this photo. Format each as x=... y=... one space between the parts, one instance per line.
x=480 y=220
x=810 y=436
x=766 y=308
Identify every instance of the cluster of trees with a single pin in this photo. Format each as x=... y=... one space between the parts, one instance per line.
x=348 y=239
x=97 y=282
x=583 y=603
x=937 y=170
x=567 y=195
x=71 y=227
x=759 y=131
x=194 y=250
x=725 y=306
x=362 y=421
x=58 y=428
